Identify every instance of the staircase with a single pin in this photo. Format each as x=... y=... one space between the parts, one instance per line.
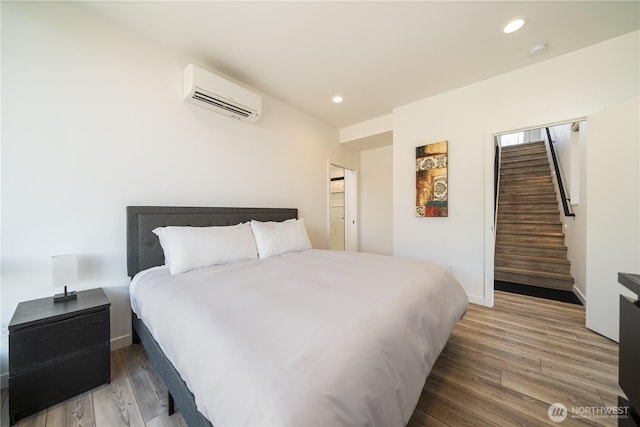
x=530 y=247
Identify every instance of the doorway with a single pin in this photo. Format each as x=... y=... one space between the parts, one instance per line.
x=342 y=209
x=529 y=230
x=336 y=208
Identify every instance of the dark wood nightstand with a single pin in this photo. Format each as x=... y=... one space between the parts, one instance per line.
x=57 y=350
x=629 y=351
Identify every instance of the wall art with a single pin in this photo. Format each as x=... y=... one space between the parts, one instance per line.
x=431 y=180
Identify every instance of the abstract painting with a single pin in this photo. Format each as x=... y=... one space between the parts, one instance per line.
x=431 y=180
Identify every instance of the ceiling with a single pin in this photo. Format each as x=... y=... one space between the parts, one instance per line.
x=377 y=55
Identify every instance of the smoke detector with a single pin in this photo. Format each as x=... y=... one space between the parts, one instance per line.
x=538 y=49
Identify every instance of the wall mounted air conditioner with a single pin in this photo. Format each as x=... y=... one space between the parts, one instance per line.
x=209 y=90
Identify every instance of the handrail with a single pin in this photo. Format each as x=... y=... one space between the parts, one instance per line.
x=563 y=194
x=496 y=179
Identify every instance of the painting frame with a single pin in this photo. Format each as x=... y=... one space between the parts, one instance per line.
x=432 y=180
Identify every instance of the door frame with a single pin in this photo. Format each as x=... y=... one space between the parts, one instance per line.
x=351 y=225
x=489 y=218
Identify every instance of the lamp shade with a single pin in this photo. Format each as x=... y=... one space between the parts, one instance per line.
x=64 y=270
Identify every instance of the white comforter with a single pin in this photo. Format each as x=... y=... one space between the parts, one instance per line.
x=314 y=338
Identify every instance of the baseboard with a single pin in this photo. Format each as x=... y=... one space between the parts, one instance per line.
x=120 y=342
x=580 y=295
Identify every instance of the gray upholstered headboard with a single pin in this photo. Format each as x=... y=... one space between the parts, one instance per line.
x=143 y=247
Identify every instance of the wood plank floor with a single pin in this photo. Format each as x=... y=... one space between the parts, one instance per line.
x=505 y=366
x=502 y=367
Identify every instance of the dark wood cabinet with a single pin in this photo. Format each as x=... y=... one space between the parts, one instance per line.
x=629 y=350
x=57 y=350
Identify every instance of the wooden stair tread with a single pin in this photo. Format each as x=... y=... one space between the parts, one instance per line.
x=526 y=202
x=505 y=205
x=535 y=233
x=514 y=228
x=531 y=164
x=530 y=198
x=511 y=163
x=527 y=199
x=526 y=178
x=545 y=169
x=515 y=182
x=525 y=170
x=531 y=222
x=517 y=173
x=539 y=152
x=523 y=146
x=524 y=151
x=545 y=189
x=538 y=185
x=531 y=202
x=540 y=155
x=527 y=216
x=535 y=152
x=529 y=172
x=533 y=258
x=517 y=162
x=526 y=191
x=534 y=205
x=531 y=190
x=536 y=273
x=530 y=245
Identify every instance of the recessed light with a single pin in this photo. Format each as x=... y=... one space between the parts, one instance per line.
x=514 y=25
x=337 y=99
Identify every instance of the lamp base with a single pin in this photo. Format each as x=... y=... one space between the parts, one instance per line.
x=65 y=297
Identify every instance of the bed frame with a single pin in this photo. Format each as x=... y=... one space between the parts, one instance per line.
x=144 y=251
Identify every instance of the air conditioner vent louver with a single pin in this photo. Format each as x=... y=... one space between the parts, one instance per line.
x=220 y=104
x=211 y=91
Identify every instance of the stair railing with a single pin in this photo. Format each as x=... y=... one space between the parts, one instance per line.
x=496 y=179
x=556 y=166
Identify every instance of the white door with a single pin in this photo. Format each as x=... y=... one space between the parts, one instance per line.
x=350 y=210
x=343 y=209
x=613 y=211
x=336 y=208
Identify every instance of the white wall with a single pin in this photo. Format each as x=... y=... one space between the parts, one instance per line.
x=561 y=135
x=93 y=120
x=613 y=229
x=576 y=227
x=562 y=88
x=366 y=129
x=376 y=195
x=569 y=153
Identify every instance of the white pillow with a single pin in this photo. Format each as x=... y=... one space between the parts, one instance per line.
x=186 y=248
x=277 y=238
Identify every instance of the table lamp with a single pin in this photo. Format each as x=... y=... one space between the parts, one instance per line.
x=64 y=272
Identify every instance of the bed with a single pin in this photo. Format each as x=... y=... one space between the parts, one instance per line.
x=305 y=337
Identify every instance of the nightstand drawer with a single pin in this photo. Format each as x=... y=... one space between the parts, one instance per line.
x=43 y=387
x=33 y=347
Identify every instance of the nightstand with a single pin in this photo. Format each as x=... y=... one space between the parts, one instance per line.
x=57 y=350
x=629 y=351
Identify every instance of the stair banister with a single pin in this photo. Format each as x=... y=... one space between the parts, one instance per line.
x=556 y=167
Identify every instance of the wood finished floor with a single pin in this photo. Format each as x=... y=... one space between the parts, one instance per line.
x=502 y=367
